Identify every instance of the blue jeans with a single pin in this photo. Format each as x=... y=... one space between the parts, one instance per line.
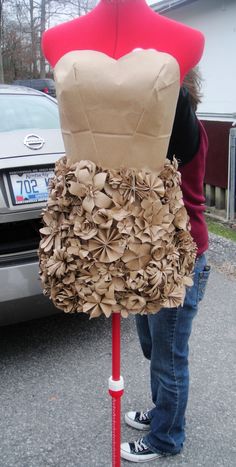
x=164 y=340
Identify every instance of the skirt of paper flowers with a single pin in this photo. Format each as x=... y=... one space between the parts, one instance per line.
x=115 y=240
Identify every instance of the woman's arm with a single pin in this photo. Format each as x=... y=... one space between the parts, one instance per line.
x=185 y=136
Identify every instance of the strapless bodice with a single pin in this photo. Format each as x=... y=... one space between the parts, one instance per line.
x=117 y=112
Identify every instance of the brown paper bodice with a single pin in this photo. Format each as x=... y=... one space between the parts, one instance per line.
x=117 y=112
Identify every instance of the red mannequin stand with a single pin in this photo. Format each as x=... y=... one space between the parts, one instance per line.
x=116 y=27
x=116 y=386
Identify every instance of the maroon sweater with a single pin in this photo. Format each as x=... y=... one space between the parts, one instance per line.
x=192 y=186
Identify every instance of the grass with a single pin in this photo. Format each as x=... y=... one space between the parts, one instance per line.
x=219 y=228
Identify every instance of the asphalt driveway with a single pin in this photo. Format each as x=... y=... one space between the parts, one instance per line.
x=54 y=405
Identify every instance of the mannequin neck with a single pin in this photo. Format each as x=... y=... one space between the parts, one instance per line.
x=123 y=2
x=116 y=27
x=124 y=7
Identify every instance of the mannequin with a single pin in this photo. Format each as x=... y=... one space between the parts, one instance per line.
x=116 y=27
x=125 y=244
x=117 y=107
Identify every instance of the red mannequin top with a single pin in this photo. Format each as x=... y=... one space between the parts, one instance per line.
x=116 y=27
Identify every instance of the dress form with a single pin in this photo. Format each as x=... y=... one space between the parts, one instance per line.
x=117 y=109
x=116 y=27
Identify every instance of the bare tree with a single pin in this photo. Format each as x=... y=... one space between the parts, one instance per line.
x=16 y=51
x=33 y=36
x=1 y=62
x=22 y=24
x=42 y=29
x=79 y=7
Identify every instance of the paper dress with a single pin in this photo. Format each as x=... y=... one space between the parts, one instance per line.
x=116 y=235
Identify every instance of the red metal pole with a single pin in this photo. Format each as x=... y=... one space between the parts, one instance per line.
x=116 y=346
x=116 y=386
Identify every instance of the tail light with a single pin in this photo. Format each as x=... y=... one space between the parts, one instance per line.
x=46 y=90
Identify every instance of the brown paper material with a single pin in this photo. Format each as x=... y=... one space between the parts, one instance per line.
x=102 y=253
x=124 y=116
x=116 y=234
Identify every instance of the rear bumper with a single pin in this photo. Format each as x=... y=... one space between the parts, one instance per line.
x=21 y=296
x=19 y=280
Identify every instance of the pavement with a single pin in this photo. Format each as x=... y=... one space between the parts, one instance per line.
x=54 y=405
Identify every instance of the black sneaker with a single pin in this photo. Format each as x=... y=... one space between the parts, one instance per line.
x=137 y=451
x=138 y=420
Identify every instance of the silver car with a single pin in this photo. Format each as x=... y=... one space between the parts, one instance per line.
x=30 y=143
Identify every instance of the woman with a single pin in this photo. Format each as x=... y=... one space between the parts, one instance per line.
x=164 y=336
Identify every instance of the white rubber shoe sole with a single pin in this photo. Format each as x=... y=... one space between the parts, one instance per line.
x=129 y=456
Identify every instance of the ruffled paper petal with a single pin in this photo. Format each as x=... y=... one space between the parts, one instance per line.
x=175 y=296
x=102 y=201
x=85 y=170
x=134 y=303
x=85 y=228
x=103 y=219
x=99 y=180
x=88 y=203
x=181 y=218
x=77 y=189
x=97 y=304
x=137 y=256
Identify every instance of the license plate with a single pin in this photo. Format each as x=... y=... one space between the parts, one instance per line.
x=30 y=186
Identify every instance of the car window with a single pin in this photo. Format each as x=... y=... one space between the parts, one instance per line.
x=20 y=112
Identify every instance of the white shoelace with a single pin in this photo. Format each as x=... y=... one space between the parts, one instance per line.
x=143 y=416
x=139 y=445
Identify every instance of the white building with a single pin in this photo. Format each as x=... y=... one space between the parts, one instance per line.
x=217 y=20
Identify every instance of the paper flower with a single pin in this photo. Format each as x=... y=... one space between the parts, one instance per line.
x=84 y=227
x=90 y=186
x=157 y=214
x=62 y=167
x=60 y=263
x=76 y=209
x=50 y=233
x=107 y=246
x=137 y=256
x=97 y=304
x=128 y=184
x=174 y=296
x=183 y=242
x=181 y=218
x=150 y=185
x=155 y=274
x=134 y=303
x=170 y=175
x=126 y=226
x=103 y=218
x=159 y=250
x=66 y=299
x=136 y=280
